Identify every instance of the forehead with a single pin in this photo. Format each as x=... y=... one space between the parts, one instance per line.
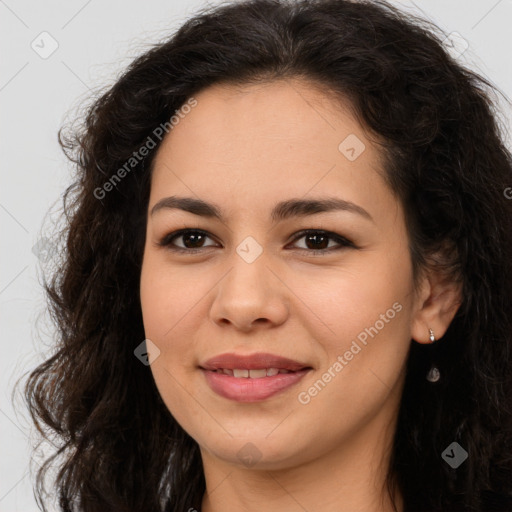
x=277 y=113
x=286 y=137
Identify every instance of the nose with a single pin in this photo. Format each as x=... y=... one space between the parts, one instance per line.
x=250 y=295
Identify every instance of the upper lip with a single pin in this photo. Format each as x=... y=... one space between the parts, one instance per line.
x=252 y=362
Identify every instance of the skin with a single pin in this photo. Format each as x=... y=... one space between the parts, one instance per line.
x=245 y=149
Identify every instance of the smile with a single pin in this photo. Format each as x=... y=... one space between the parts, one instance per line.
x=252 y=377
x=251 y=374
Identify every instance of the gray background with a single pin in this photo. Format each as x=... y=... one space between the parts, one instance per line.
x=96 y=40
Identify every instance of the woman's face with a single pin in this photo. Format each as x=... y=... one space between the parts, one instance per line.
x=342 y=308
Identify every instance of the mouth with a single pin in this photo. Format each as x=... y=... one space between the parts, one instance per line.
x=252 y=378
x=260 y=361
x=242 y=373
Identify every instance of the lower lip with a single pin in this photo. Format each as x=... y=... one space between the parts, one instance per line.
x=243 y=389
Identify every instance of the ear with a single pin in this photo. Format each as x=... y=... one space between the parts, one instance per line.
x=437 y=302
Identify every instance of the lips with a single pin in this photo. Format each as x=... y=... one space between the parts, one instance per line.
x=252 y=362
x=252 y=378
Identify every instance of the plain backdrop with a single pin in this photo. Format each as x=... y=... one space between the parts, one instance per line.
x=54 y=53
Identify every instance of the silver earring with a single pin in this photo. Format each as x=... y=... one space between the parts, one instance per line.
x=434 y=374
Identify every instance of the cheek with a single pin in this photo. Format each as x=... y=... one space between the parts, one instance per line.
x=172 y=311
x=348 y=301
x=367 y=313
x=166 y=303
x=167 y=295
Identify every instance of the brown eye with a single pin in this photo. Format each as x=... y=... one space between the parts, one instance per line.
x=192 y=240
x=318 y=241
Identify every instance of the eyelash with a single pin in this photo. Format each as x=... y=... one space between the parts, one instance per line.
x=166 y=241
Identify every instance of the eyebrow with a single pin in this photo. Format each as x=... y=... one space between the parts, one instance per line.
x=281 y=211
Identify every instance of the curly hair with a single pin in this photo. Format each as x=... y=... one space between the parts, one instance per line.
x=446 y=162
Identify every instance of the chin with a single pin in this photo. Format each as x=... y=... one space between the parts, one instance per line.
x=250 y=455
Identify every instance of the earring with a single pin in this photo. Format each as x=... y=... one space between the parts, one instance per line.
x=434 y=374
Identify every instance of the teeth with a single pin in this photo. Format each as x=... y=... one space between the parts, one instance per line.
x=253 y=374
x=257 y=374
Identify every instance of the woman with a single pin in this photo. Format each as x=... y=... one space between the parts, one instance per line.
x=287 y=276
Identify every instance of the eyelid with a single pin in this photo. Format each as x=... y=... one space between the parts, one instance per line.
x=341 y=240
